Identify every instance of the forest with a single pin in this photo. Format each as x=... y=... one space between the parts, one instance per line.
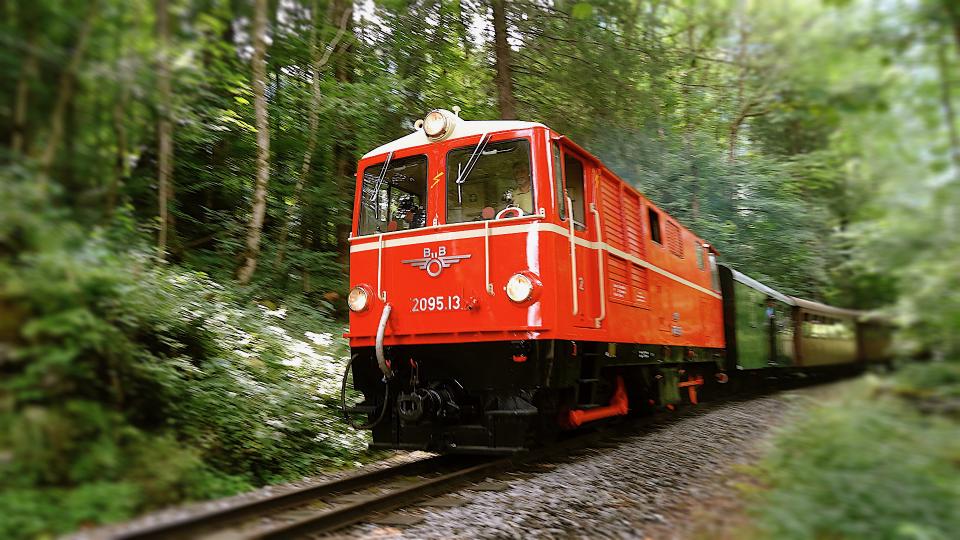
x=177 y=181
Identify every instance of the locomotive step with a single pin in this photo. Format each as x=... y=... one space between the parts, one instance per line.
x=362 y=409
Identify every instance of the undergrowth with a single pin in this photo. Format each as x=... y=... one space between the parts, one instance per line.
x=128 y=384
x=883 y=462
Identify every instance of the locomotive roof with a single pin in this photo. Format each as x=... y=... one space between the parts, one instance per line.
x=463 y=128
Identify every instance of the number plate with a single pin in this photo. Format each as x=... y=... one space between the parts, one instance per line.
x=436 y=303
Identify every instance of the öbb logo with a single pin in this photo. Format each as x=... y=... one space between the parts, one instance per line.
x=433 y=262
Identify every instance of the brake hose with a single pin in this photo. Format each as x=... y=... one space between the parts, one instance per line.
x=381 y=330
x=343 y=400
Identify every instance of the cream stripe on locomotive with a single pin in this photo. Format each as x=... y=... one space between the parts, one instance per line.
x=518 y=229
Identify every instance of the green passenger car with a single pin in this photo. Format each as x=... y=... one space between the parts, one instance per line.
x=758 y=321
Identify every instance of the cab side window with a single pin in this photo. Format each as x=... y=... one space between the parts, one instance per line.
x=654 y=219
x=573 y=173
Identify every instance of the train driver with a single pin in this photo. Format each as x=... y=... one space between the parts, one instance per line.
x=523 y=189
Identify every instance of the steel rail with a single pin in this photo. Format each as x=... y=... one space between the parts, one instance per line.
x=220 y=520
x=355 y=512
x=190 y=526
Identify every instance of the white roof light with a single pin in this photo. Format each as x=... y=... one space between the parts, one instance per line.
x=438 y=124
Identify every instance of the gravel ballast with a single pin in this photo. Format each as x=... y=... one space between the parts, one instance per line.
x=656 y=483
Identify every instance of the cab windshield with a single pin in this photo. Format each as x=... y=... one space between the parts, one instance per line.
x=485 y=180
x=394 y=201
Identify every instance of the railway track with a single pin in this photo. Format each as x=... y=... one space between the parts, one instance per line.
x=327 y=506
x=338 y=503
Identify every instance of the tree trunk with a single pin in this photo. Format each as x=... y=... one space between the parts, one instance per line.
x=259 y=69
x=946 y=103
x=463 y=30
x=18 y=141
x=733 y=131
x=733 y=135
x=953 y=13
x=66 y=171
x=164 y=127
x=504 y=78
x=688 y=128
x=343 y=155
x=65 y=91
x=120 y=166
x=343 y=66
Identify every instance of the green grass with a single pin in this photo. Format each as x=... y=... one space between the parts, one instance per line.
x=875 y=464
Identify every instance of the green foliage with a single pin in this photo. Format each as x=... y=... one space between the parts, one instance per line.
x=128 y=385
x=934 y=382
x=867 y=466
x=36 y=513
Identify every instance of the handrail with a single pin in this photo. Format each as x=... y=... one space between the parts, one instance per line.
x=382 y=295
x=573 y=257
x=486 y=257
x=603 y=292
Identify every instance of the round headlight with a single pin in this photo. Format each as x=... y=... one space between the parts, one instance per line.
x=358 y=299
x=438 y=124
x=521 y=287
x=434 y=124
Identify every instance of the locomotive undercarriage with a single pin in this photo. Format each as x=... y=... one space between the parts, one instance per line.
x=502 y=397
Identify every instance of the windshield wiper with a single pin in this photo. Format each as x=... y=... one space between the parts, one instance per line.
x=471 y=163
x=376 y=187
x=383 y=175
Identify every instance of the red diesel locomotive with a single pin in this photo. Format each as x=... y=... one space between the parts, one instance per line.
x=507 y=285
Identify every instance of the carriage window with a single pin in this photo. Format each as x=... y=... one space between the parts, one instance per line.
x=573 y=173
x=654 y=225
x=558 y=181
x=485 y=180
x=395 y=200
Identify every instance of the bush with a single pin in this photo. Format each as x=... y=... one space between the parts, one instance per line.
x=868 y=466
x=126 y=384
